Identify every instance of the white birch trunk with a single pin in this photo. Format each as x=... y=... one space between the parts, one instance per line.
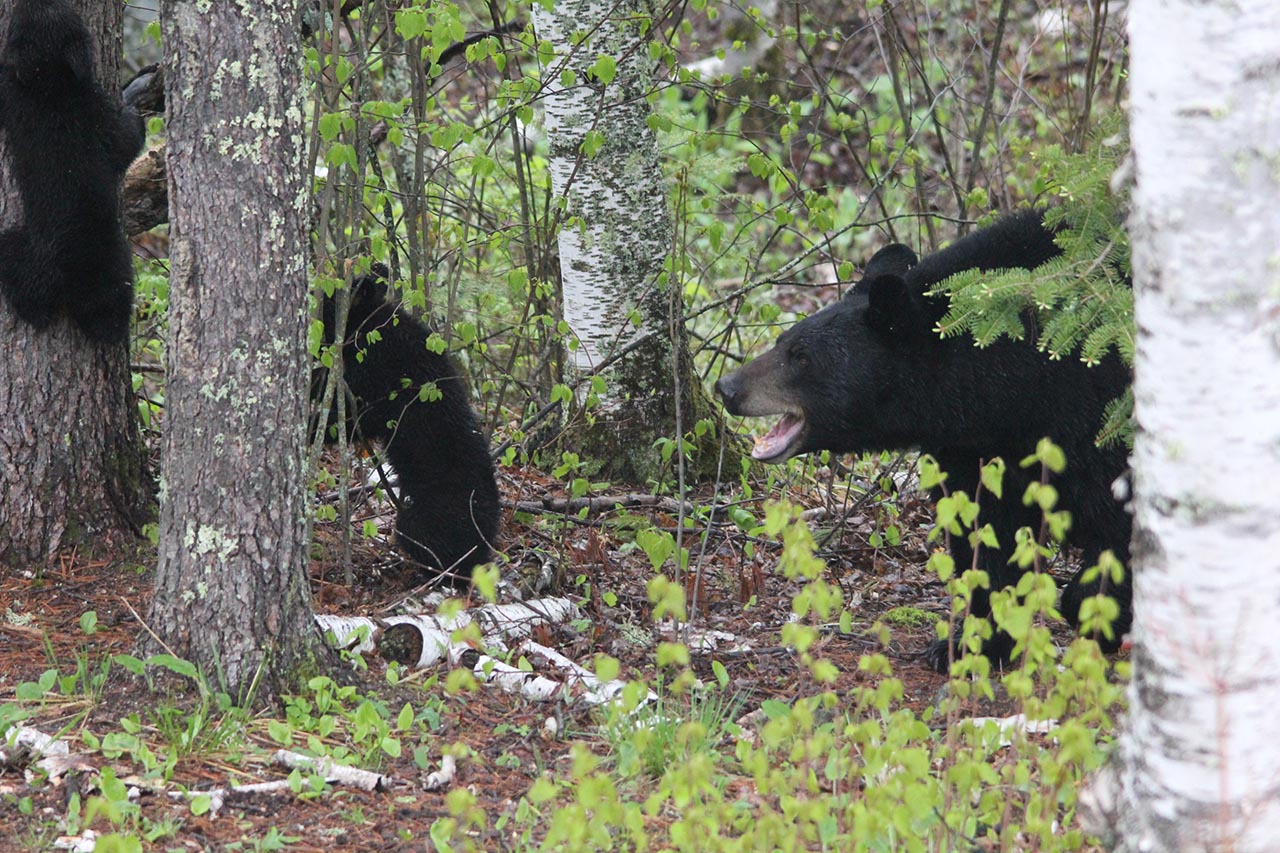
x=612 y=258
x=617 y=304
x=1199 y=764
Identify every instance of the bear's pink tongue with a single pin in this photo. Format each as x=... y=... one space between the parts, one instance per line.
x=776 y=441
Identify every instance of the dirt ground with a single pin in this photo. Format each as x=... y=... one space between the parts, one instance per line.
x=590 y=562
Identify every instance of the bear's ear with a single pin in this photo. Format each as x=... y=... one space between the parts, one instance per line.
x=370 y=287
x=894 y=259
x=891 y=307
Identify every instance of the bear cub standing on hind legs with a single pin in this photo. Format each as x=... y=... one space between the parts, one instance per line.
x=69 y=144
x=449 y=510
x=870 y=373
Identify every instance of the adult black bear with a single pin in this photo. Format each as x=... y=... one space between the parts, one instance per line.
x=870 y=373
x=69 y=144
x=413 y=401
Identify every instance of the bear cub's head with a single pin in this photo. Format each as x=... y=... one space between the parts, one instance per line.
x=48 y=50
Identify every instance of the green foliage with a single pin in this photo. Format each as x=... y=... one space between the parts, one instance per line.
x=852 y=772
x=856 y=127
x=1080 y=304
x=675 y=727
x=151 y=300
x=370 y=730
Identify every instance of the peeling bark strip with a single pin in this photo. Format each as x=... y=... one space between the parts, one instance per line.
x=333 y=773
x=231 y=592
x=577 y=682
x=430 y=642
x=443 y=777
x=32 y=746
x=1197 y=765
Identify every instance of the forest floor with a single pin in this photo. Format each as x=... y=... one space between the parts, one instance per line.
x=592 y=561
x=165 y=742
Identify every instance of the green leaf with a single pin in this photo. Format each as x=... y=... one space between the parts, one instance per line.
x=330 y=125
x=607 y=668
x=176 y=665
x=592 y=142
x=411 y=23
x=721 y=674
x=131 y=664
x=993 y=476
x=200 y=804
x=280 y=732
x=542 y=790
x=658 y=546
x=604 y=69
x=775 y=710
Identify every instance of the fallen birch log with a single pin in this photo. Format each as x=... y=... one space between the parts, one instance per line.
x=504 y=676
x=333 y=773
x=52 y=756
x=24 y=743
x=576 y=682
x=422 y=640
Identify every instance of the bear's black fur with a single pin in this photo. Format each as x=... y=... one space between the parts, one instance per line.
x=449 y=510
x=69 y=145
x=870 y=373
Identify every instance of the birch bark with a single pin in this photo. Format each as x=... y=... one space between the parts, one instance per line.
x=618 y=302
x=1199 y=765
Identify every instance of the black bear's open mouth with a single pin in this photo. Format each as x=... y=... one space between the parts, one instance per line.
x=779 y=443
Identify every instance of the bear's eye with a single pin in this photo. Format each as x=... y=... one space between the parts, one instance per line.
x=798 y=357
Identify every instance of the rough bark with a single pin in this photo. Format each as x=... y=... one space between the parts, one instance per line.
x=616 y=300
x=231 y=589
x=73 y=470
x=1197 y=766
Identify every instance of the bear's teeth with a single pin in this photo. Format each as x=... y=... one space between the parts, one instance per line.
x=773 y=445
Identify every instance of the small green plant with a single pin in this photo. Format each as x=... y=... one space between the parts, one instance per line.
x=855 y=771
x=673 y=728
x=912 y=617
x=90 y=674
x=274 y=839
x=370 y=733
x=210 y=726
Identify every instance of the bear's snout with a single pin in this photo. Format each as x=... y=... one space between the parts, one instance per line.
x=729 y=388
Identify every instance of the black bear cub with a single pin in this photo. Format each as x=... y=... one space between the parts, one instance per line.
x=69 y=145
x=870 y=373
x=414 y=403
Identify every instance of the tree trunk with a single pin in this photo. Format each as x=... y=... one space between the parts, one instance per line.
x=73 y=470
x=618 y=301
x=231 y=588
x=1197 y=764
